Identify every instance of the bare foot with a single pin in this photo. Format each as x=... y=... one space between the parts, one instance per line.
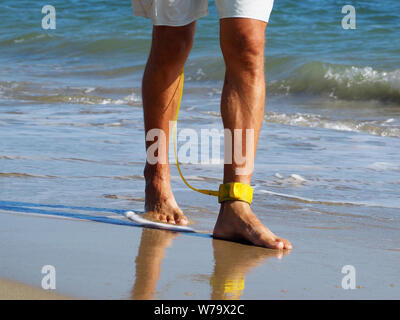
x=160 y=204
x=237 y=222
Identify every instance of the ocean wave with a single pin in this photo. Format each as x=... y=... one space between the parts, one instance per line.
x=23 y=175
x=290 y=75
x=27 y=91
x=340 y=82
x=51 y=47
x=383 y=128
x=323 y=202
x=29 y=37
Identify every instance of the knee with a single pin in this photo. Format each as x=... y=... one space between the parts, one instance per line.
x=172 y=44
x=244 y=51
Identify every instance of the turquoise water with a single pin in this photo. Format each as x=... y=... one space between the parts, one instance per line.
x=308 y=50
x=71 y=121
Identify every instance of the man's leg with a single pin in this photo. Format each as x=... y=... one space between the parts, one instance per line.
x=169 y=51
x=242 y=107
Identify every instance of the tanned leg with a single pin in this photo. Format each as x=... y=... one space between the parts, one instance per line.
x=242 y=107
x=169 y=51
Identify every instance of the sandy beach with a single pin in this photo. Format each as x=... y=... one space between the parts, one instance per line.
x=103 y=261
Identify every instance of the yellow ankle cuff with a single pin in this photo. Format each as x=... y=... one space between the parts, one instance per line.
x=235 y=191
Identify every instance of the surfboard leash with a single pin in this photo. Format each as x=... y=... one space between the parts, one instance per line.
x=227 y=191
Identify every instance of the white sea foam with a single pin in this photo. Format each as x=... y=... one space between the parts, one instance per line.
x=364 y=75
x=323 y=202
x=383 y=166
x=373 y=127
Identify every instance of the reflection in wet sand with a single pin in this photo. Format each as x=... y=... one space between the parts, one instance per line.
x=232 y=262
x=148 y=261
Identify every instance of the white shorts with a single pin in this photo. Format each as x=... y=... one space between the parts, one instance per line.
x=183 y=12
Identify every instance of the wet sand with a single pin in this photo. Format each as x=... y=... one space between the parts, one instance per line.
x=103 y=261
x=11 y=290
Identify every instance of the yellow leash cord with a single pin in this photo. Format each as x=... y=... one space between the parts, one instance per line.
x=203 y=191
x=227 y=191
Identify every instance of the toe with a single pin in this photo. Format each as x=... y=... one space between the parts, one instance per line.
x=271 y=243
x=279 y=244
x=171 y=220
x=180 y=219
x=286 y=244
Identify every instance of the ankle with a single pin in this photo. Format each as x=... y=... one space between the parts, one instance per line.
x=234 y=206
